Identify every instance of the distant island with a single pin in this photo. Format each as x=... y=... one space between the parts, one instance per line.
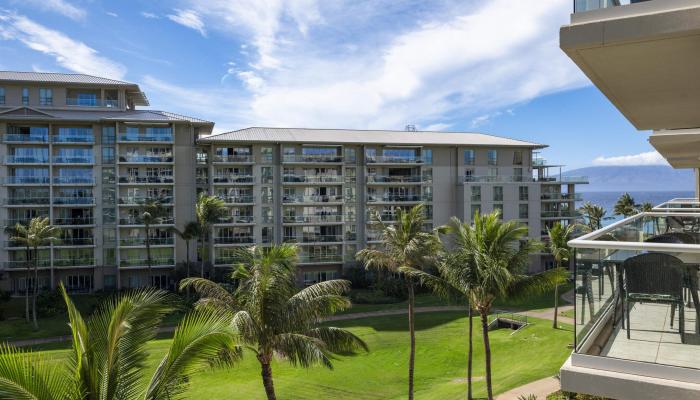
x=653 y=178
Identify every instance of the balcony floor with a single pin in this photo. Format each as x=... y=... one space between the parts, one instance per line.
x=653 y=340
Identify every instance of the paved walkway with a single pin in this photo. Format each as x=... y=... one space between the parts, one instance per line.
x=540 y=388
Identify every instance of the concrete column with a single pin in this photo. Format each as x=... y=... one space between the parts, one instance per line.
x=697 y=183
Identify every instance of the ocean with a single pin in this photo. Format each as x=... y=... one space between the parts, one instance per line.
x=607 y=200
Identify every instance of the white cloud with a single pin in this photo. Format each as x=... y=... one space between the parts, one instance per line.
x=112 y=14
x=437 y=127
x=149 y=15
x=59 y=6
x=71 y=54
x=190 y=19
x=646 y=158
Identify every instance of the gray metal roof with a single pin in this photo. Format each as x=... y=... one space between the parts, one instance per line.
x=28 y=113
x=56 y=77
x=353 y=136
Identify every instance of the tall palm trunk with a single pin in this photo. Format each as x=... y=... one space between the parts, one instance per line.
x=36 y=287
x=469 y=355
x=187 y=249
x=149 y=262
x=28 y=257
x=266 y=373
x=556 y=306
x=201 y=255
x=487 y=350
x=412 y=330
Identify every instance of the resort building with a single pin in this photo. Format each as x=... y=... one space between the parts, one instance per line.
x=637 y=330
x=76 y=149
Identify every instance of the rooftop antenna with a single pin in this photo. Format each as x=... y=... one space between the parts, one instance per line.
x=410 y=128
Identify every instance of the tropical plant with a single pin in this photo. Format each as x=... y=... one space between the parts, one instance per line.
x=559 y=236
x=39 y=232
x=108 y=358
x=151 y=212
x=625 y=206
x=501 y=254
x=407 y=249
x=593 y=215
x=189 y=232
x=273 y=317
x=645 y=207
x=208 y=210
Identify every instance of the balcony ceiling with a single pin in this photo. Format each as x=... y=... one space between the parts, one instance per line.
x=681 y=148
x=646 y=63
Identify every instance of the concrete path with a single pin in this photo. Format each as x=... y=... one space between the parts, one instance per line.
x=540 y=388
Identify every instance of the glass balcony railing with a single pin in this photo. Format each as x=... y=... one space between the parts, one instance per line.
x=395 y=160
x=146 y=179
x=34 y=159
x=292 y=178
x=312 y=199
x=562 y=178
x=497 y=178
x=73 y=200
x=680 y=205
x=74 y=221
x=74 y=160
x=139 y=221
x=25 y=138
x=561 y=196
x=27 y=200
x=143 y=262
x=146 y=138
x=396 y=179
x=234 y=240
x=87 y=241
x=234 y=158
x=74 y=262
x=22 y=221
x=636 y=294
x=313 y=238
x=141 y=200
x=73 y=180
x=237 y=219
x=30 y=180
x=73 y=139
x=137 y=158
x=91 y=102
x=237 y=199
x=561 y=214
x=43 y=263
x=233 y=179
x=325 y=258
x=399 y=198
x=141 y=241
x=321 y=218
x=588 y=5
x=312 y=158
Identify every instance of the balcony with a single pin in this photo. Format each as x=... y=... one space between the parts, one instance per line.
x=234 y=240
x=237 y=199
x=497 y=178
x=74 y=180
x=137 y=221
x=146 y=179
x=27 y=200
x=26 y=138
x=313 y=238
x=22 y=264
x=312 y=158
x=679 y=205
x=73 y=200
x=395 y=160
x=153 y=159
x=73 y=160
x=92 y=102
x=234 y=159
x=561 y=196
x=139 y=241
x=321 y=259
x=10 y=222
x=312 y=179
x=74 y=221
x=637 y=312
x=70 y=242
x=73 y=139
x=233 y=179
x=134 y=263
x=312 y=219
x=564 y=214
x=74 y=262
x=399 y=198
x=289 y=199
x=33 y=159
x=620 y=47
x=389 y=179
x=141 y=200
x=237 y=219
x=562 y=179
x=26 y=180
x=132 y=138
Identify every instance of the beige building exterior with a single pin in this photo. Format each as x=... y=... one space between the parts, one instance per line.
x=76 y=149
x=644 y=57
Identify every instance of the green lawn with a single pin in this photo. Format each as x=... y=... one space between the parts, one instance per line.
x=533 y=353
x=567 y=313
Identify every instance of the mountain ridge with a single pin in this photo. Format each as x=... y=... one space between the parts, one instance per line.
x=654 y=178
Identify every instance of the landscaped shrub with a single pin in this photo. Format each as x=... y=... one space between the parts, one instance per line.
x=4 y=298
x=49 y=304
x=372 y=297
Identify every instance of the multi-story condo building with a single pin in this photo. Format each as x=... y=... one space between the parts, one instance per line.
x=637 y=330
x=75 y=148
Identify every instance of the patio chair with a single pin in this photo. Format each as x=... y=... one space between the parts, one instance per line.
x=655 y=278
x=672 y=237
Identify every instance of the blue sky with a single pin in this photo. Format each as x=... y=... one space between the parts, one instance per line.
x=490 y=66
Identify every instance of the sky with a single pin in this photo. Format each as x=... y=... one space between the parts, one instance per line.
x=445 y=65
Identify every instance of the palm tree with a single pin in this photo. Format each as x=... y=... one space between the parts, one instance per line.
x=151 y=212
x=190 y=232
x=108 y=359
x=501 y=255
x=625 y=206
x=558 y=246
x=39 y=232
x=273 y=317
x=407 y=250
x=208 y=210
x=594 y=215
x=645 y=207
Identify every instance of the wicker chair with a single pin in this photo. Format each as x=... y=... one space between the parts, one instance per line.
x=655 y=278
x=672 y=237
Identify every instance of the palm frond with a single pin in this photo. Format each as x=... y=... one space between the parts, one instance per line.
x=302 y=350
x=27 y=376
x=338 y=340
x=530 y=285
x=209 y=291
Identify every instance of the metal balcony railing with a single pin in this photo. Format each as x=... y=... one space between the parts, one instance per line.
x=74 y=160
x=29 y=180
x=320 y=218
x=133 y=158
x=141 y=241
x=395 y=160
x=142 y=262
x=73 y=200
x=312 y=158
x=294 y=178
x=313 y=199
x=145 y=138
x=73 y=138
x=234 y=158
x=91 y=102
x=233 y=179
x=74 y=221
x=73 y=180
x=146 y=179
x=34 y=159
x=234 y=240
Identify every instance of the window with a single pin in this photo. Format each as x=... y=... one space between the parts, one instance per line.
x=476 y=209
x=266 y=173
x=499 y=208
x=523 y=193
x=469 y=158
x=350 y=155
x=370 y=155
x=469 y=175
x=108 y=175
x=45 y=97
x=109 y=135
x=523 y=211
x=86 y=99
x=2 y=95
x=498 y=193
x=25 y=96
x=266 y=194
x=492 y=157
x=518 y=157
x=267 y=215
x=518 y=175
x=428 y=156
x=476 y=193
x=266 y=154
x=108 y=155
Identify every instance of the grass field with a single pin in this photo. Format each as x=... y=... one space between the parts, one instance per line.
x=533 y=353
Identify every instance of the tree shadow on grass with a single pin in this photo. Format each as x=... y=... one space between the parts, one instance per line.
x=399 y=323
